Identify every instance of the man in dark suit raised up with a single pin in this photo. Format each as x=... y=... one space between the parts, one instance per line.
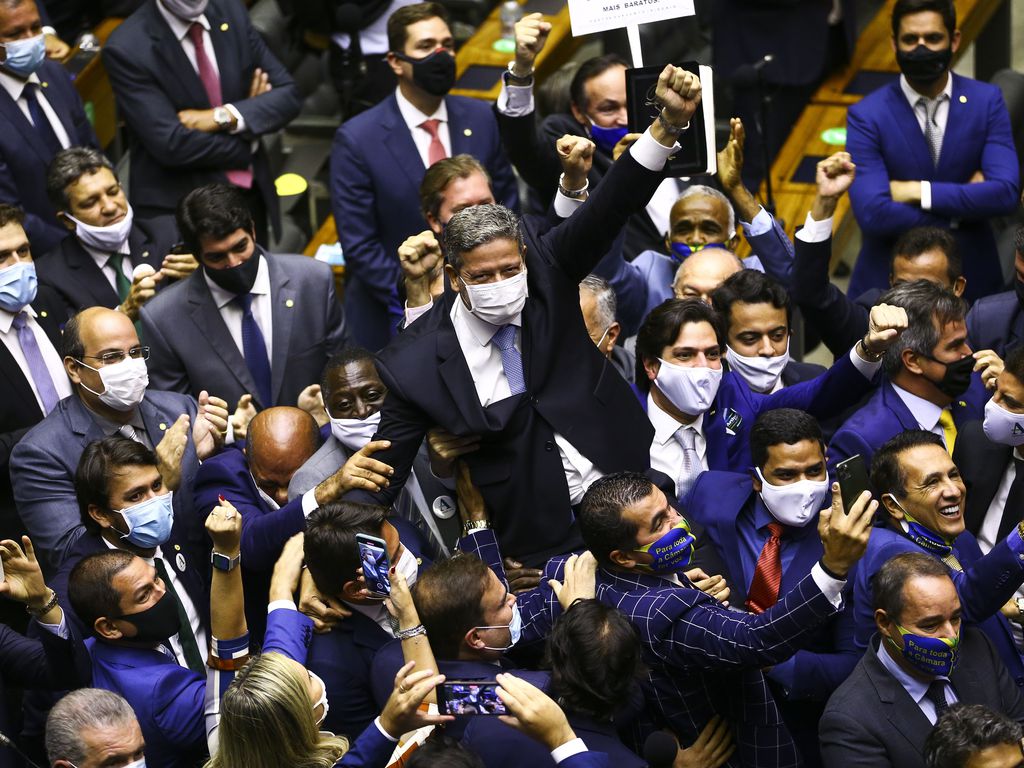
x=920 y=661
x=379 y=158
x=40 y=114
x=506 y=354
x=198 y=87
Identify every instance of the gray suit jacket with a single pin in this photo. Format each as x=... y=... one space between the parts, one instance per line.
x=192 y=349
x=329 y=459
x=43 y=469
x=872 y=721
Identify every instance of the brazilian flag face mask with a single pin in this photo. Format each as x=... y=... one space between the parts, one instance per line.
x=672 y=552
x=933 y=656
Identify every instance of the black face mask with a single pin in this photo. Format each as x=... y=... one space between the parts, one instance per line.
x=923 y=65
x=957 y=378
x=435 y=73
x=158 y=622
x=238 y=280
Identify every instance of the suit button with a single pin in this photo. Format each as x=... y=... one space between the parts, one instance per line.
x=549 y=446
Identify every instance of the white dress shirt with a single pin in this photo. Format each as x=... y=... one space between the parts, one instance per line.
x=666 y=452
x=102 y=259
x=924 y=412
x=373 y=38
x=941 y=119
x=414 y=119
x=15 y=88
x=51 y=357
x=261 y=307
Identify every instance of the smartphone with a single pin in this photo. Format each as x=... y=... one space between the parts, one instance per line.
x=180 y=248
x=469 y=697
x=853 y=480
x=373 y=558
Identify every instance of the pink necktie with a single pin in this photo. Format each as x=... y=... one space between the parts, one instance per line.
x=436 y=151
x=211 y=84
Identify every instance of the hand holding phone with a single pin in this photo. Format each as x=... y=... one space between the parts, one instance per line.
x=853 y=480
x=373 y=559
x=470 y=697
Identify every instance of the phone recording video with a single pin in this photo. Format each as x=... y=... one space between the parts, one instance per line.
x=373 y=559
x=469 y=698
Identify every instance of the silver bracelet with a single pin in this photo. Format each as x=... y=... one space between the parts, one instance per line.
x=407 y=634
x=671 y=128
x=573 y=194
x=46 y=608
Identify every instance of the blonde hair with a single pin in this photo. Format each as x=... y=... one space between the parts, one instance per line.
x=267 y=720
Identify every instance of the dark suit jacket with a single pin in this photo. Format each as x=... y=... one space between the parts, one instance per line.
x=192 y=349
x=43 y=469
x=885 y=415
x=153 y=80
x=872 y=721
x=376 y=172
x=24 y=158
x=996 y=322
x=887 y=143
x=73 y=273
x=982 y=465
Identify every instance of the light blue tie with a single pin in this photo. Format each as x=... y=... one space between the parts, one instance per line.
x=511 y=360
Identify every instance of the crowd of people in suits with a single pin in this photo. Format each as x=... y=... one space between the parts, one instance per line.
x=550 y=483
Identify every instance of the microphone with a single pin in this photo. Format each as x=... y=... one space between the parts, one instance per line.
x=660 y=749
x=5 y=741
x=748 y=74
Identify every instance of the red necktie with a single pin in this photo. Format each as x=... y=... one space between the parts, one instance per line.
x=211 y=84
x=436 y=151
x=764 y=587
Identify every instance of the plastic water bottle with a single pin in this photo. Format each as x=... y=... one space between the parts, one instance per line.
x=511 y=12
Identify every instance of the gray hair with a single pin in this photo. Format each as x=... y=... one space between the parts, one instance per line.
x=604 y=297
x=706 y=191
x=926 y=303
x=67 y=167
x=86 y=708
x=478 y=225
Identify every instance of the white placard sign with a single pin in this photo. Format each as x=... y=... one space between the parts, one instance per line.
x=589 y=16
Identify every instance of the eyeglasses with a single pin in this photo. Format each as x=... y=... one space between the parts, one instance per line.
x=113 y=358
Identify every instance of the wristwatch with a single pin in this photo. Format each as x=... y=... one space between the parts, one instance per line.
x=573 y=194
x=511 y=78
x=475 y=525
x=223 y=562
x=222 y=117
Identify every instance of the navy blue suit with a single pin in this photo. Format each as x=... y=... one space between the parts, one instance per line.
x=885 y=415
x=153 y=80
x=996 y=322
x=376 y=172
x=887 y=144
x=985 y=585
x=25 y=157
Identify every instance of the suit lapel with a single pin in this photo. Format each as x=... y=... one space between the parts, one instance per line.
x=81 y=420
x=227 y=57
x=21 y=390
x=456 y=376
x=10 y=110
x=717 y=454
x=154 y=421
x=956 y=125
x=396 y=138
x=459 y=129
x=206 y=316
x=902 y=712
x=906 y=122
x=282 y=297
x=176 y=65
x=88 y=274
x=894 y=403
x=141 y=249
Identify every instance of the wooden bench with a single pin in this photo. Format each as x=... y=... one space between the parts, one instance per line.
x=93 y=87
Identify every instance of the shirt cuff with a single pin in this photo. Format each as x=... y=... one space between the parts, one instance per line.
x=650 y=154
x=815 y=231
x=309 y=502
x=229 y=438
x=281 y=605
x=867 y=368
x=385 y=734
x=926 y=195
x=830 y=588
x=49 y=31
x=566 y=206
x=567 y=750
x=412 y=314
x=240 y=121
x=762 y=223
x=515 y=100
x=231 y=648
x=61 y=629
x=1016 y=545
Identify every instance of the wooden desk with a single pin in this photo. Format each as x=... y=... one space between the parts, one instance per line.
x=478 y=51
x=93 y=87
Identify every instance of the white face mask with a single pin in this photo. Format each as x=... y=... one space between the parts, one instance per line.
x=1001 y=426
x=691 y=390
x=106 y=239
x=355 y=433
x=761 y=373
x=795 y=504
x=264 y=495
x=322 y=701
x=189 y=10
x=124 y=383
x=407 y=566
x=498 y=303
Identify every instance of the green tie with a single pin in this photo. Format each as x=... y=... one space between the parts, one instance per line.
x=188 y=640
x=124 y=285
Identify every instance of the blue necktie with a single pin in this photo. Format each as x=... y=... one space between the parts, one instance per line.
x=511 y=360
x=254 y=348
x=36 y=364
x=39 y=121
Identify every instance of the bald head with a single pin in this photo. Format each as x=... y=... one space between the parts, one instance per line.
x=280 y=440
x=704 y=271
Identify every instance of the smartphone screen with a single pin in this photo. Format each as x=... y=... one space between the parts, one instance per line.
x=469 y=698
x=853 y=480
x=373 y=559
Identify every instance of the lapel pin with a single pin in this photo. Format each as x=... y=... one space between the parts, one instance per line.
x=963 y=99
x=290 y=303
x=224 y=27
x=145 y=254
x=177 y=547
x=467 y=131
x=44 y=84
x=179 y=561
x=43 y=313
x=163 y=426
x=962 y=404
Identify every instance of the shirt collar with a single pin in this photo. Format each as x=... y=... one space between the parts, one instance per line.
x=111 y=427
x=413 y=117
x=481 y=330
x=925 y=412
x=665 y=426
x=16 y=85
x=914 y=687
x=260 y=286
x=912 y=96
x=179 y=27
x=102 y=257
x=7 y=318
